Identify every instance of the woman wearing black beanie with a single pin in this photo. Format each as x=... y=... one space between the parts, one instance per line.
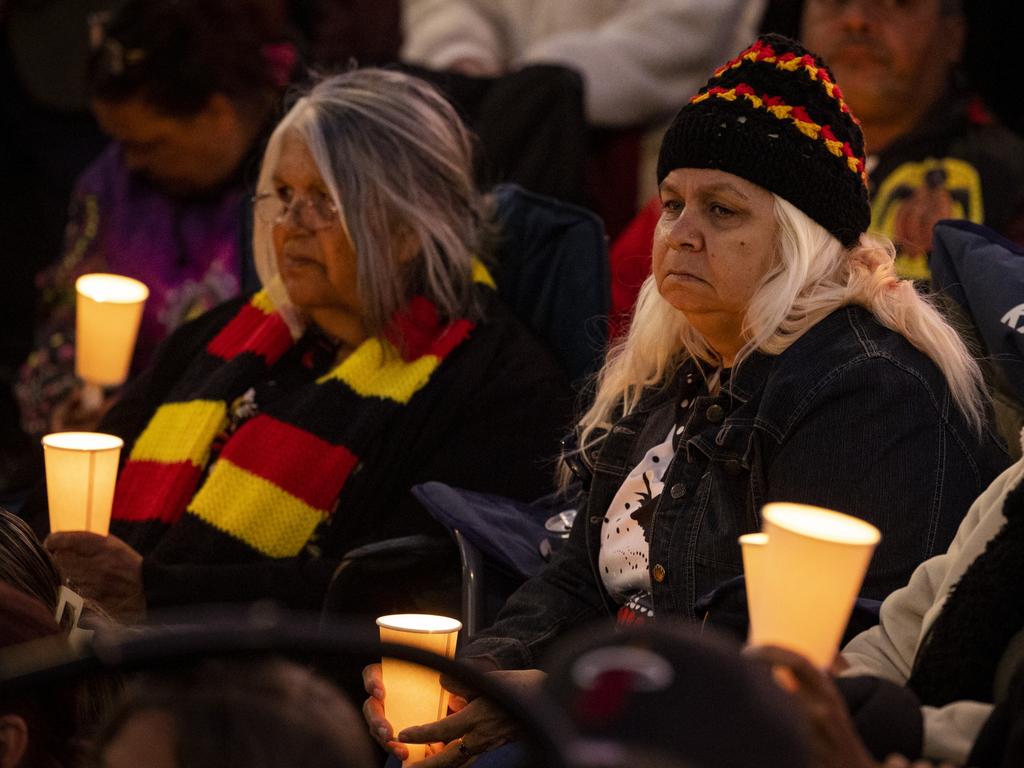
x=773 y=356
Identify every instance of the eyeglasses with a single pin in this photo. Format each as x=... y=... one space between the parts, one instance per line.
x=314 y=213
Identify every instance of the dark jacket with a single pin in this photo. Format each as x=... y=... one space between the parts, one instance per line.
x=491 y=422
x=986 y=181
x=850 y=417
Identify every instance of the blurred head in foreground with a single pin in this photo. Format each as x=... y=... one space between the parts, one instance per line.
x=37 y=728
x=666 y=694
x=237 y=713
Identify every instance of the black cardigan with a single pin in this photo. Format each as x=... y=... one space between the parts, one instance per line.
x=492 y=424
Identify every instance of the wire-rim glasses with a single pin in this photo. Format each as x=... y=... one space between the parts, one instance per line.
x=313 y=212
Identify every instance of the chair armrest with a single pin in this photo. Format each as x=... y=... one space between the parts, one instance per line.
x=420 y=543
x=472 y=584
x=408 y=574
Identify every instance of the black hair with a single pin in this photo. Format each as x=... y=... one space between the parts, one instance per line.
x=176 y=54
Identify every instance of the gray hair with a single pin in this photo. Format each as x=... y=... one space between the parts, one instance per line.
x=398 y=162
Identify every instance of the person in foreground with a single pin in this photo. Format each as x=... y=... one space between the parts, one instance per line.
x=627 y=689
x=37 y=728
x=774 y=355
x=278 y=431
x=944 y=634
x=951 y=636
x=222 y=712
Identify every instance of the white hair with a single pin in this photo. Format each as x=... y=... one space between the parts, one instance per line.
x=398 y=163
x=811 y=276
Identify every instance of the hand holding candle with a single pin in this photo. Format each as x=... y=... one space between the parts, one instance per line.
x=414 y=693
x=753 y=546
x=81 y=469
x=108 y=311
x=806 y=577
x=101 y=568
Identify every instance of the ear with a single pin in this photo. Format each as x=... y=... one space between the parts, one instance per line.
x=13 y=740
x=407 y=246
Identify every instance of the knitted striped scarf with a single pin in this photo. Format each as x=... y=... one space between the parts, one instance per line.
x=279 y=474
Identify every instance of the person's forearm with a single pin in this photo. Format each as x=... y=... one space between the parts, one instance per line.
x=539 y=612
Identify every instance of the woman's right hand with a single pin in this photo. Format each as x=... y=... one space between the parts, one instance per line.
x=476 y=725
x=373 y=713
x=74 y=414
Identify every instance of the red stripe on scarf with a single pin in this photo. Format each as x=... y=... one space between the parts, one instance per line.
x=296 y=461
x=417 y=331
x=152 y=490
x=252 y=330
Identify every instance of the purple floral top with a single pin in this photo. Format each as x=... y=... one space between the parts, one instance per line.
x=186 y=252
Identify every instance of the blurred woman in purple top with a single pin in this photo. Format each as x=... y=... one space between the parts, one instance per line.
x=188 y=91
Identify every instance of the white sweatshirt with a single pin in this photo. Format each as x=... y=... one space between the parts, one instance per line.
x=641 y=60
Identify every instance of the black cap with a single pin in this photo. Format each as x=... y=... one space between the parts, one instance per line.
x=775 y=117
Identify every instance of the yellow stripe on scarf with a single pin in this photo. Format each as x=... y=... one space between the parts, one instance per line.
x=482 y=275
x=376 y=369
x=181 y=432
x=250 y=508
x=261 y=301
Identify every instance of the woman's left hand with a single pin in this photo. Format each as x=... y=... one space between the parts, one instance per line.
x=102 y=568
x=476 y=727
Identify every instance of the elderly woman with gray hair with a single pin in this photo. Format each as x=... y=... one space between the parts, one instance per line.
x=279 y=430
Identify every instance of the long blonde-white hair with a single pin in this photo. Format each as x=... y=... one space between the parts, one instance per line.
x=812 y=275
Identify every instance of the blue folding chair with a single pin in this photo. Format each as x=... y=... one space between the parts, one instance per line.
x=982 y=275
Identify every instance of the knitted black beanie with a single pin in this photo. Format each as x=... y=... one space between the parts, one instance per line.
x=774 y=116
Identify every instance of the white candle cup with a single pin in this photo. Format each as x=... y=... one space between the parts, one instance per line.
x=753 y=547
x=815 y=563
x=108 y=310
x=81 y=469
x=413 y=693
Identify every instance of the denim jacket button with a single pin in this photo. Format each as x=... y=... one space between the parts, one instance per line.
x=677 y=491
x=714 y=414
x=658 y=572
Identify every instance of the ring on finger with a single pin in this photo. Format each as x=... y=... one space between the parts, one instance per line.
x=463 y=749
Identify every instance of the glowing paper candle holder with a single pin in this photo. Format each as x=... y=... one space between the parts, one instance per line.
x=108 y=310
x=81 y=468
x=413 y=693
x=815 y=563
x=753 y=547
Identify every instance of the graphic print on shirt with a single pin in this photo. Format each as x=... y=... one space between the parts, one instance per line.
x=645 y=509
x=626 y=531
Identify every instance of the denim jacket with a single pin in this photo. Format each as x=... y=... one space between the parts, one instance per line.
x=850 y=417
